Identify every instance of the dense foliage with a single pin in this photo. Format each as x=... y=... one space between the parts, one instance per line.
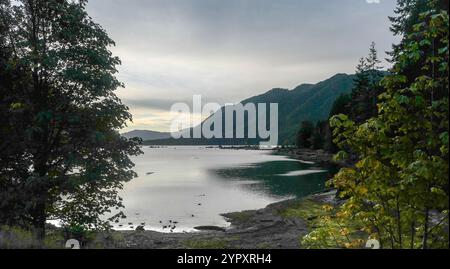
x=398 y=191
x=305 y=134
x=61 y=156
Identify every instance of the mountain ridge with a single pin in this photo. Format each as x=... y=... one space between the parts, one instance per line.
x=305 y=102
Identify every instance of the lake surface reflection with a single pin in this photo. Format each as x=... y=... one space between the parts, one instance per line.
x=191 y=186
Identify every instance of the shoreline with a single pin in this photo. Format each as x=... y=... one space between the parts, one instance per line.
x=273 y=227
x=267 y=227
x=280 y=225
x=319 y=157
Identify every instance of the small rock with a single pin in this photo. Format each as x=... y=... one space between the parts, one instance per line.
x=140 y=228
x=210 y=228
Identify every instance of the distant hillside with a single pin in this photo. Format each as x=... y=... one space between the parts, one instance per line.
x=306 y=102
x=147 y=135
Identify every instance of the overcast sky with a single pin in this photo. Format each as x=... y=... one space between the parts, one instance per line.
x=229 y=50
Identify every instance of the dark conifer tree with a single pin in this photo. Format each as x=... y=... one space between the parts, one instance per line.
x=304 y=135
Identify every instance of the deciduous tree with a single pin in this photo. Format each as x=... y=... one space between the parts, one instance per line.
x=61 y=154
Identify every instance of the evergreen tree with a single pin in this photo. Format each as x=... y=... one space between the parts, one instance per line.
x=364 y=95
x=359 y=102
x=341 y=105
x=406 y=15
x=319 y=135
x=304 y=135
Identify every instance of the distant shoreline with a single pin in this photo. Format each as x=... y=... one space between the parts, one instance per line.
x=319 y=157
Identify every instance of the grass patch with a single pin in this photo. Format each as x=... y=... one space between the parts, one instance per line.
x=264 y=246
x=240 y=216
x=306 y=209
x=326 y=229
x=18 y=238
x=102 y=240
x=215 y=243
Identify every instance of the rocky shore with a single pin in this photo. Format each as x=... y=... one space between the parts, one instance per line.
x=320 y=157
x=278 y=226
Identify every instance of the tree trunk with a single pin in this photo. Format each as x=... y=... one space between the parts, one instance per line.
x=425 y=232
x=413 y=234
x=40 y=220
x=399 y=224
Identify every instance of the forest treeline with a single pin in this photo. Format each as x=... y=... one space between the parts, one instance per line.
x=359 y=105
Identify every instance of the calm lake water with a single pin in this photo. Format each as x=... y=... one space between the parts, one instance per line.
x=193 y=185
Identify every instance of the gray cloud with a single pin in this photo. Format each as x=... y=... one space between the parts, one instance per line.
x=234 y=49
